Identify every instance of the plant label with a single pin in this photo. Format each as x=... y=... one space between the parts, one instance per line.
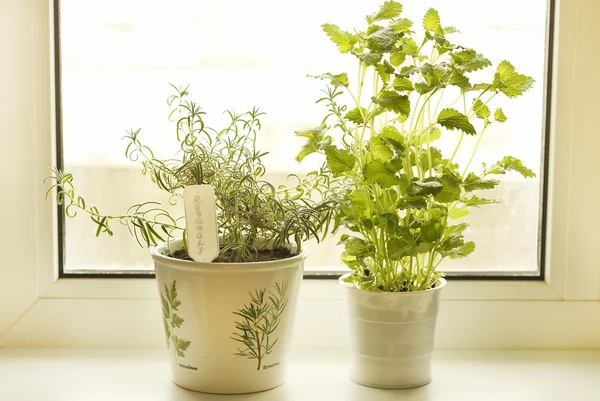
x=201 y=222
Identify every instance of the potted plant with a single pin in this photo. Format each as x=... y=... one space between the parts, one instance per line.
x=227 y=321
x=401 y=196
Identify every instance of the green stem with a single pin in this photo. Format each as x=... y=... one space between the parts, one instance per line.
x=437 y=106
x=121 y=216
x=412 y=118
x=462 y=135
x=429 y=158
x=430 y=270
x=358 y=144
x=475 y=149
x=258 y=345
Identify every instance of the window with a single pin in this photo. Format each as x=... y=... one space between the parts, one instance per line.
x=37 y=308
x=118 y=58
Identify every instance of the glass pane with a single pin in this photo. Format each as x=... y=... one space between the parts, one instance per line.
x=119 y=57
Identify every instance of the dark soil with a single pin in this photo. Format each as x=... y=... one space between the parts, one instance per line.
x=263 y=255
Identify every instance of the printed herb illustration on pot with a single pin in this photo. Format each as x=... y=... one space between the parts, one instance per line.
x=401 y=195
x=259 y=320
x=172 y=320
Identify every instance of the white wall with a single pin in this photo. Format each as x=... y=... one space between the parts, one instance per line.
x=22 y=111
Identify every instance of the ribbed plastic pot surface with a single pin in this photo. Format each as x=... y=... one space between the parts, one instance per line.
x=205 y=309
x=392 y=336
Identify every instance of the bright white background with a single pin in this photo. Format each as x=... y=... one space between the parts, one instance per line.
x=38 y=309
x=118 y=57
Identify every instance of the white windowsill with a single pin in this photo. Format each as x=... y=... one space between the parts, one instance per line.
x=143 y=374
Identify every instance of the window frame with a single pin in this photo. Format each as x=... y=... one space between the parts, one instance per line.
x=42 y=309
x=536 y=275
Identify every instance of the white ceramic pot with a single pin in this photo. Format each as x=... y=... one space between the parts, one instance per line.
x=228 y=325
x=391 y=336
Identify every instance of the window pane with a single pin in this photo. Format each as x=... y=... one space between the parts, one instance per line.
x=119 y=57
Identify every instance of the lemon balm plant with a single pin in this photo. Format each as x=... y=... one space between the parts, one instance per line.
x=227 y=322
x=402 y=197
x=401 y=194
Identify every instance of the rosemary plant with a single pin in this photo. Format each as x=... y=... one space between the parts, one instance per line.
x=250 y=211
x=401 y=195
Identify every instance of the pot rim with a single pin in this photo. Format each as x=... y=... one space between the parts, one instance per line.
x=191 y=265
x=442 y=283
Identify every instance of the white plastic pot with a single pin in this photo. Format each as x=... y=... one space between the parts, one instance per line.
x=392 y=336
x=213 y=347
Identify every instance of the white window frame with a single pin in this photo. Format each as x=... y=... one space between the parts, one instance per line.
x=39 y=309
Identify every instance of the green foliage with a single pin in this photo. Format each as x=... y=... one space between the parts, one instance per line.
x=250 y=211
x=343 y=39
x=431 y=22
x=481 y=110
x=393 y=101
x=388 y=10
x=509 y=82
x=148 y=222
x=399 y=196
x=340 y=161
x=259 y=320
x=335 y=80
x=499 y=115
x=509 y=163
x=171 y=320
x=453 y=119
x=377 y=172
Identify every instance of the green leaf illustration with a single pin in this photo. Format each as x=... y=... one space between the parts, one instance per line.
x=171 y=320
x=180 y=346
x=258 y=321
